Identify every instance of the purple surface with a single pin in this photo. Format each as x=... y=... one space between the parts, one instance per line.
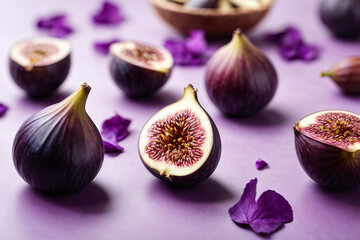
x=124 y=200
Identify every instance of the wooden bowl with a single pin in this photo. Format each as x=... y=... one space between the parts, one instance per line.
x=214 y=22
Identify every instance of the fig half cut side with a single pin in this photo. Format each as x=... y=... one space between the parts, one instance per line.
x=40 y=65
x=327 y=144
x=181 y=143
x=139 y=69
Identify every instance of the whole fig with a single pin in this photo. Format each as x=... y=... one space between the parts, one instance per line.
x=342 y=17
x=239 y=78
x=346 y=74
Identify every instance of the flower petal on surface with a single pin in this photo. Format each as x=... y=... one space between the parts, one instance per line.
x=109 y=14
x=260 y=164
x=56 y=25
x=3 y=109
x=115 y=128
x=103 y=47
x=264 y=216
x=111 y=147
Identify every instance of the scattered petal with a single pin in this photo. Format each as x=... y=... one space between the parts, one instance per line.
x=3 y=109
x=114 y=130
x=56 y=25
x=292 y=46
x=111 y=147
x=109 y=14
x=103 y=47
x=264 y=216
x=260 y=164
x=196 y=42
x=188 y=52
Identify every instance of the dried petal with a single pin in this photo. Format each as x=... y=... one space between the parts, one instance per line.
x=260 y=164
x=188 y=52
x=109 y=14
x=111 y=147
x=103 y=47
x=56 y=25
x=264 y=216
x=115 y=128
x=292 y=46
x=3 y=109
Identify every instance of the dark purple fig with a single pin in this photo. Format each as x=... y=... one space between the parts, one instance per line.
x=346 y=74
x=138 y=69
x=341 y=17
x=180 y=144
x=40 y=65
x=59 y=149
x=327 y=144
x=239 y=78
x=202 y=3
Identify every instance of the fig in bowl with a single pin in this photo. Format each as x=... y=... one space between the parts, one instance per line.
x=180 y=144
x=327 y=144
x=139 y=70
x=215 y=17
x=40 y=65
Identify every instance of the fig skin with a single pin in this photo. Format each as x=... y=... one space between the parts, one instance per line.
x=341 y=17
x=211 y=161
x=134 y=80
x=328 y=165
x=202 y=3
x=239 y=79
x=59 y=149
x=40 y=81
x=346 y=74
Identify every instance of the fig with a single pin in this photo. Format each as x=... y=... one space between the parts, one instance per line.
x=346 y=74
x=239 y=78
x=138 y=69
x=59 y=149
x=202 y=3
x=181 y=144
x=40 y=65
x=341 y=17
x=327 y=144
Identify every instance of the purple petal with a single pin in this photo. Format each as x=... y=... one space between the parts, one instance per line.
x=109 y=14
x=264 y=216
x=3 y=109
x=110 y=147
x=288 y=53
x=188 y=52
x=196 y=42
x=308 y=52
x=272 y=211
x=56 y=25
x=115 y=128
x=103 y=47
x=260 y=164
x=291 y=38
x=61 y=30
x=48 y=23
x=241 y=211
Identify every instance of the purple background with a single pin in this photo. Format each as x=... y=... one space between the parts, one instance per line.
x=125 y=201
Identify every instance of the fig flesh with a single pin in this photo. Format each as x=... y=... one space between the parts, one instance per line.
x=180 y=143
x=327 y=145
x=59 y=149
x=138 y=69
x=346 y=74
x=341 y=17
x=239 y=79
x=40 y=65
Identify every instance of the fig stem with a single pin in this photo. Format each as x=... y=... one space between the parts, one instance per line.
x=326 y=74
x=240 y=42
x=77 y=100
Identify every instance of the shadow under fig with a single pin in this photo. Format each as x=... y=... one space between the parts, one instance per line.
x=206 y=192
x=350 y=197
x=266 y=117
x=92 y=199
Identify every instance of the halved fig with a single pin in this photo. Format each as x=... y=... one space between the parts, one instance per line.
x=40 y=65
x=138 y=69
x=180 y=143
x=327 y=145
